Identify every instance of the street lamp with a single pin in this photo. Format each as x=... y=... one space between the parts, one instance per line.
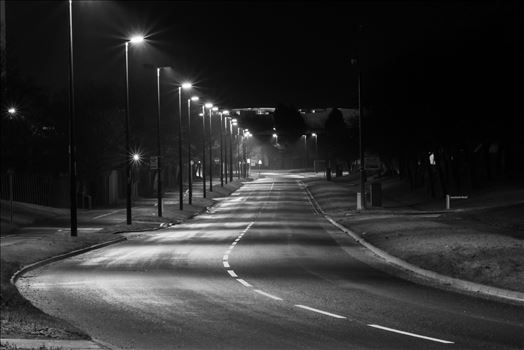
x=221 y=150
x=184 y=86
x=316 y=148
x=305 y=151
x=11 y=111
x=72 y=132
x=230 y=132
x=224 y=128
x=211 y=109
x=203 y=169
x=189 y=165
x=158 y=145
x=134 y=40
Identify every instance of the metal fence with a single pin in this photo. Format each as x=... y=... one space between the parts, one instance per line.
x=29 y=188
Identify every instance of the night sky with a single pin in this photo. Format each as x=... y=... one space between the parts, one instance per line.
x=243 y=54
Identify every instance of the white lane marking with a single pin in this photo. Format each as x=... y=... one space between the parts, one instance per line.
x=320 y=311
x=106 y=214
x=244 y=282
x=411 y=334
x=238 y=239
x=226 y=265
x=225 y=257
x=232 y=273
x=234 y=243
x=268 y=295
x=228 y=251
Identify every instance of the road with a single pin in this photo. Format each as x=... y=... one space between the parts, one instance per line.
x=262 y=270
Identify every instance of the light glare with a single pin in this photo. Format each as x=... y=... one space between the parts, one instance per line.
x=136 y=39
x=208 y=105
x=187 y=86
x=11 y=110
x=195 y=98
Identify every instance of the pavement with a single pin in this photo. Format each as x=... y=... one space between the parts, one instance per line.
x=262 y=269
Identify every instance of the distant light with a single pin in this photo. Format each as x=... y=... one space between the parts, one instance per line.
x=274 y=129
x=136 y=39
x=214 y=109
x=11 y=110
x=234 y=120
x=249 y=160
x=136 y=157
x=259 y=162
x=314 y=134
x=195 y=98
x=275 y=135
x=186 y=86
x=200 y=114
x=226 y=112
x=208 y=105
x=235 y=123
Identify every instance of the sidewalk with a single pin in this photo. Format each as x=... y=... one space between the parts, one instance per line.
x=49 y=236
x=480 y=241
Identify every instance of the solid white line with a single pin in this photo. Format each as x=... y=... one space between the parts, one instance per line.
x=226 y=265
x=267 y=294
x=232 y=273
x=225 y=257
x=244 y=282
x=411 y=334
x=320 y=311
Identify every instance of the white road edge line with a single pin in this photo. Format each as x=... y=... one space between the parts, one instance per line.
x=232 y=273
x=319 y=311
x=244 y=282
x=268 y=295
x=411 y=334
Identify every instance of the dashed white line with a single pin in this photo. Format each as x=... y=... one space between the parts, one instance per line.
x=244 y=282
x=232 y=273
x=268 y=295
x=226 y=265
x=411 y=334
x=320 y=311
x=225 y=257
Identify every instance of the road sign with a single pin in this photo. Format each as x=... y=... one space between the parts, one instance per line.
x=153 y=163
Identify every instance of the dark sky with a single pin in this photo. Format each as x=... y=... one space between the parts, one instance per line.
x=244 y=54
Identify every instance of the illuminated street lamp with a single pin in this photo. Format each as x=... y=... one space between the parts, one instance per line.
x=221 y=149
x=230 y=136
x=189 y=165
x=275 y=136
x=184 y=86
x=316 y=148
x=11 y=111
x=134 y=40
x=305 y=151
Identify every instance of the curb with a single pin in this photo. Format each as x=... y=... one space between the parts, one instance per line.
x=40 y=263
x=456 y=284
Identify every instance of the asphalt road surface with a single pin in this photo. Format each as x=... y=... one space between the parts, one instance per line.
x=262 y=270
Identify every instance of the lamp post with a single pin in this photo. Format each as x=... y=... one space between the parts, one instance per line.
x=221 y=151
x=225 y=132
x=184 y=86
x=72 y=132
x=210 y=107
x=189 y=165
x=230 y=132
x=133 y=40
x=305 y=151
x=316 y=149
x=158 y=146
x=204 y=150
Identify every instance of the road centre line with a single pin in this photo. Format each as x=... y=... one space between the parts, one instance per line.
x=225 y=257
x=226 y=264
x=320 y=311
x=410 y=334
x=232 y=273
x=244 y=282
x=106 y=214
x=268 y=295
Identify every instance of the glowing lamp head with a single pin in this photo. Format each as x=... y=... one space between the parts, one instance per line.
x=136 y=157
x=195 y=98
x=214 y=109
x=11 y=111
x=275 y=135
x=136 y=39
x=208 y=105
x=186 y=86
x=314 y=134
x=200 y=114
x=226 y=112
